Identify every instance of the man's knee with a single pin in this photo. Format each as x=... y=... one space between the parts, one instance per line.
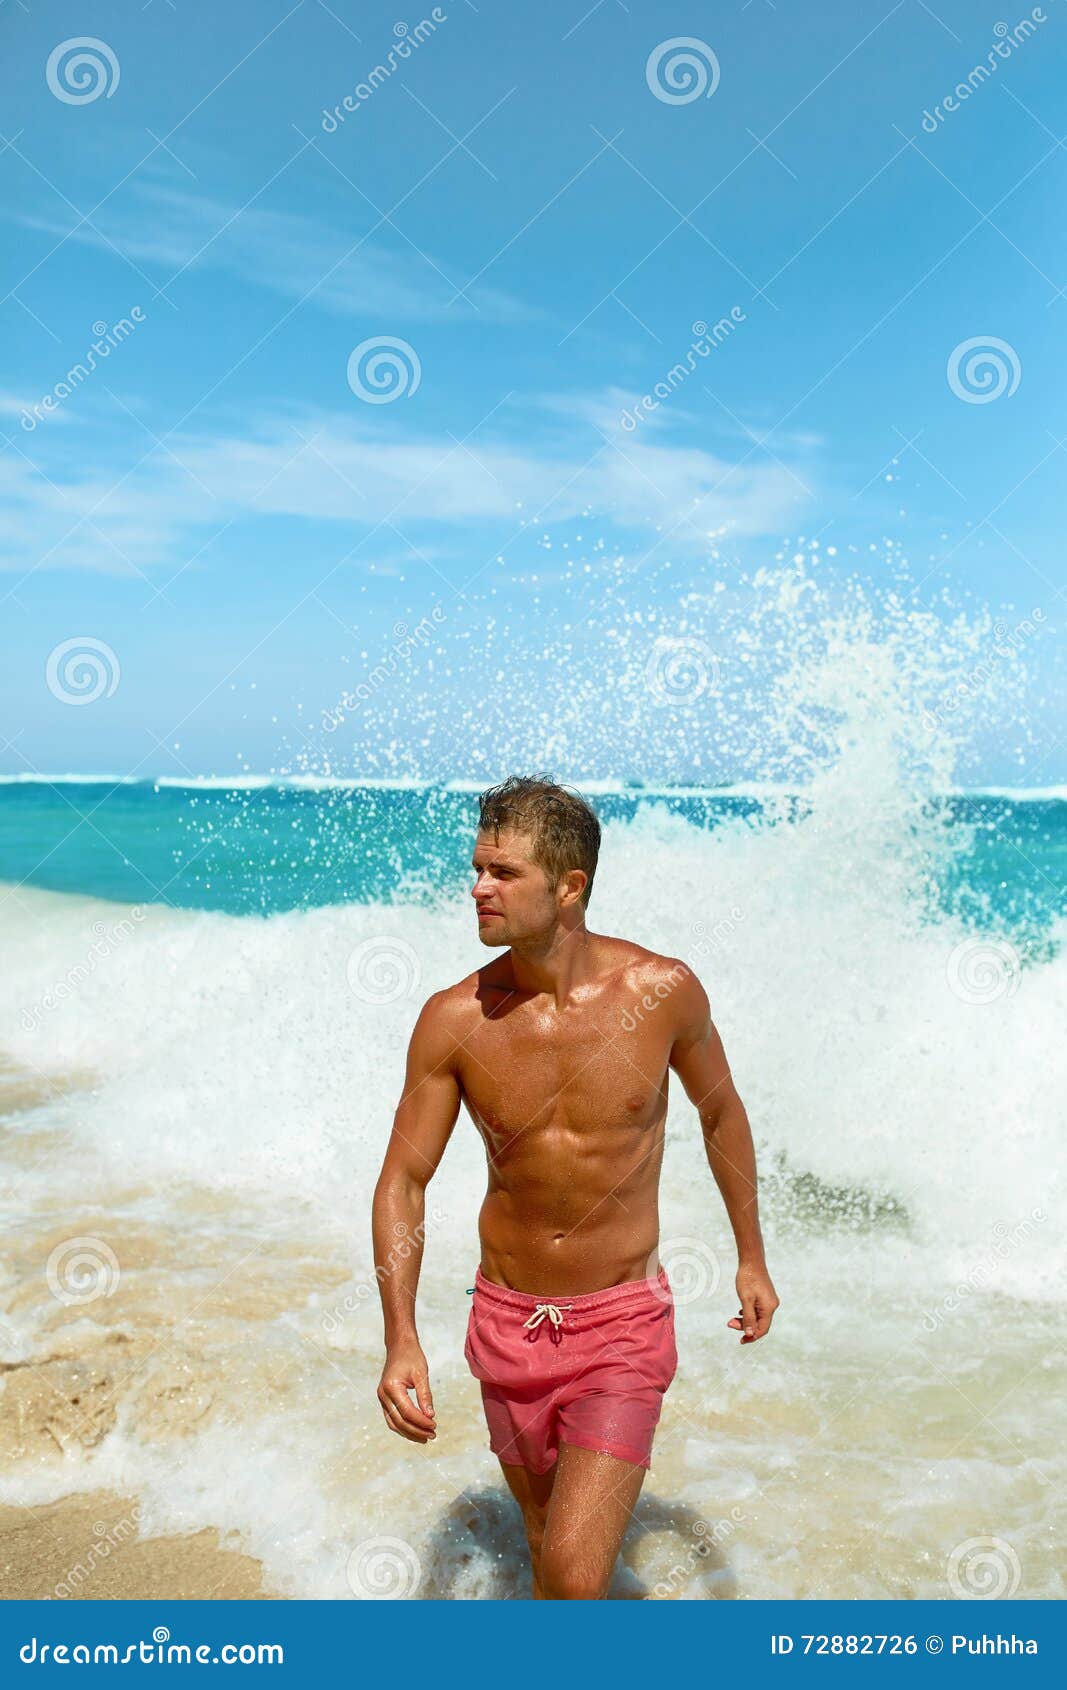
x=534 y=1520
x=572 y=1581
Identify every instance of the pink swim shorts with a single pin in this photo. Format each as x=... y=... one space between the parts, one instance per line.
x=588 y=1370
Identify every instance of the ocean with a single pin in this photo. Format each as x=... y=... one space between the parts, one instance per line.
x=206 y=999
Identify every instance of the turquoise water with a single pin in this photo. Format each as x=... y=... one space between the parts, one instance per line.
x=267 y=849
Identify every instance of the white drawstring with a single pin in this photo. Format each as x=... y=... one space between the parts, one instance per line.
x=553 y=1312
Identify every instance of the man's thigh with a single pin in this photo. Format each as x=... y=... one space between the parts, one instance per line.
x=532 y=1491
x=593 y=1497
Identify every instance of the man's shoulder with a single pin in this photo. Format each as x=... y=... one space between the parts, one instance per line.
x=442 y=1006
x=653 y=980
x=440 y=1029
x=641 y=966
x=451 y=1007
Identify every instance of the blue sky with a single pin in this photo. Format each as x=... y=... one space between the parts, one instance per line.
x=516 y=203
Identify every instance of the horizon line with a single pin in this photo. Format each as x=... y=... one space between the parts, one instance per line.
x=604 y=786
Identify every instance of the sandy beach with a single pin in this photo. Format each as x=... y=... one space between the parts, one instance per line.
x=85 y=1547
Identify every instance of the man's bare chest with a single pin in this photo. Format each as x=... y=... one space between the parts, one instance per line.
x=525 y=1073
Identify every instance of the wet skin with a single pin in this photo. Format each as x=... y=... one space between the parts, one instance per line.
x=560 y=1050
x=570 y=1103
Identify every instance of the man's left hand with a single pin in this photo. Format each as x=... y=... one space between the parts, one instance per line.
x=758 y=1302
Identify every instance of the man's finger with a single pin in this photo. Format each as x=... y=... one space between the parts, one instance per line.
x=395 y=1424
x=402 y=1403
x=396 y=1420
x=398 y=1396
x=422 y=1391
x=748 y=1311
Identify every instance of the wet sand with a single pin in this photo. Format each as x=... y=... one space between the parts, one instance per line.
x=85 y=1547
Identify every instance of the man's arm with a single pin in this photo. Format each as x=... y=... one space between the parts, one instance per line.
x=422 y=1127
x=698 y=1058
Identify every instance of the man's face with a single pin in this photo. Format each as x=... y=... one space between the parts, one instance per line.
x=511 y=894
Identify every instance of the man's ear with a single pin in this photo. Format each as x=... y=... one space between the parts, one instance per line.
x=574 y=883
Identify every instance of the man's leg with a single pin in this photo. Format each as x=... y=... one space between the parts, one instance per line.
x=532 y=1492
x=591 y=1503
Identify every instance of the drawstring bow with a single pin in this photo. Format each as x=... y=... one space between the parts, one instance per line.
x=553 y=1312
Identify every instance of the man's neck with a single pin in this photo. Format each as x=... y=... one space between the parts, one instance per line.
x=556 y=965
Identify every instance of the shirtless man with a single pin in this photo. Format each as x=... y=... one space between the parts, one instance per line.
x=560 y=1050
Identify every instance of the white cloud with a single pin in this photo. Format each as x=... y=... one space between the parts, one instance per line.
x=19 y=405
x=334 y=470
x=178 y=230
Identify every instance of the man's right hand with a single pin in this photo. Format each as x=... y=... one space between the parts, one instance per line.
x=405 y=1367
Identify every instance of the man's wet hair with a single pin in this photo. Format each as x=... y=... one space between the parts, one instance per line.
x=563 y=827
